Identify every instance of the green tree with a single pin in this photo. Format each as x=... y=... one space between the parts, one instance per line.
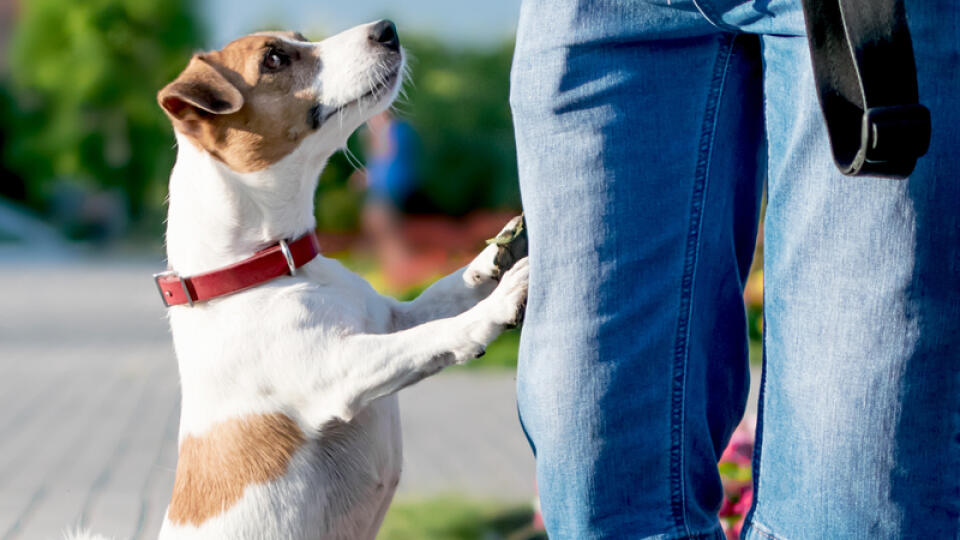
x=85 y=75
x=459 y=103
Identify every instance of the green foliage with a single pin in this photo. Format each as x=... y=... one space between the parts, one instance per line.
x=338 y=208
x=456 y=518
x=85 y=77
x=735 y=472
x=458 y=101
x=81 y=106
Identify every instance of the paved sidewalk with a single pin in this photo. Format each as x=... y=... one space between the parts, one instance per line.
x=88 y=408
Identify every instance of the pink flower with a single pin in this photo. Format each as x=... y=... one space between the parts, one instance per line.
x=736 y=475
x=743 y=505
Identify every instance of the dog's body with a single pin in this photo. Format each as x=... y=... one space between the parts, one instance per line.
x=289 y=422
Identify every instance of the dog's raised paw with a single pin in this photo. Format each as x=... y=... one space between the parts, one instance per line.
x=518 y=320
x=483 y=268
x=511 y=244
x=501 y=253
x=510 y=296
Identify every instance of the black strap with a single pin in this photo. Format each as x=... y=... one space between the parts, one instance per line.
x=867 y=83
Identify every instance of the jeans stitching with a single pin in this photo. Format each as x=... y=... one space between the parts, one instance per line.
x=713 y=534
x=760 y=530
x=704 y=150
x=713 y=16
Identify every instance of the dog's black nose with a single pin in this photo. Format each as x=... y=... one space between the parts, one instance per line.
x=385 y=33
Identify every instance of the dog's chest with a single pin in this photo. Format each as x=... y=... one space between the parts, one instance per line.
x=356 y=467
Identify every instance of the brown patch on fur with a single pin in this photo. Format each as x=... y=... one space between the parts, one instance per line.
x=263 y=115
x=213 y=469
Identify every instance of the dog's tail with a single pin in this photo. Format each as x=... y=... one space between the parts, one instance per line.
x=79 y=534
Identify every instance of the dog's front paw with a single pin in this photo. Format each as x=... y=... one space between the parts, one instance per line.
x=501 y=253
x=467 y=352
x=482 y=269
x=501 y=310
x=509 y=299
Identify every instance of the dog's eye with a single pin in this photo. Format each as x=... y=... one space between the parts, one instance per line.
x=275 y=60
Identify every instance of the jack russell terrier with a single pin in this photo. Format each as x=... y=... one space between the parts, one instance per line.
x=289 y=363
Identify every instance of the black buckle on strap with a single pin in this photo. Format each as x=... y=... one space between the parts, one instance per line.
x=897 y=133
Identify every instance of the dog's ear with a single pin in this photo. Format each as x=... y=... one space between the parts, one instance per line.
x=198 y=92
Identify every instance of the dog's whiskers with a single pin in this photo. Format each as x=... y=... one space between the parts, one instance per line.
x=353 y=160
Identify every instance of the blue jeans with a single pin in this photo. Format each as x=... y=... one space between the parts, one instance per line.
x=646 y=131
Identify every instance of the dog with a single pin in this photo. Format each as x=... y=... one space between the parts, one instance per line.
x=289 y=422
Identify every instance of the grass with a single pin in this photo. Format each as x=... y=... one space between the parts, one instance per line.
x=458 y=518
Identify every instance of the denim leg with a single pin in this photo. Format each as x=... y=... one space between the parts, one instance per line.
x=860 y=433
x=639 y=136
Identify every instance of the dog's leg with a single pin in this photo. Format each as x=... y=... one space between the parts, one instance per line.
x=462 y=289
x=375 y=365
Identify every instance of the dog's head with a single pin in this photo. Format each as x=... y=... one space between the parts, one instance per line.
x=262 y=96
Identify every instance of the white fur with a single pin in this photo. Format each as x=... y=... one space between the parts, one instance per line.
x=79 y=534
x=321 y=347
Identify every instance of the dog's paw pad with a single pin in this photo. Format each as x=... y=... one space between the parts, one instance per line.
x=511 y=244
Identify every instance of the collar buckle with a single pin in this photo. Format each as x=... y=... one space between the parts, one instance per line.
x=183 y=284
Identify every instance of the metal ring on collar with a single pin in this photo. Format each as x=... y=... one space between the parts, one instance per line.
x=285 y=249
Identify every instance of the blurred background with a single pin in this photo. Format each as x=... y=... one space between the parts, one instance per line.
x=88 y=387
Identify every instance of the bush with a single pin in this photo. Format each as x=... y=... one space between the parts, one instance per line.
x=85 y=77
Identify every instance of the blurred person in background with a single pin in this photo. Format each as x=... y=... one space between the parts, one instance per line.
x=391 y=176
x=645 y=132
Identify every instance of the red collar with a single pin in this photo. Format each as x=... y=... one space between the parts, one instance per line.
x=273 y=262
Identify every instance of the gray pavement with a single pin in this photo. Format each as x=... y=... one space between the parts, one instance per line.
x=89 y=407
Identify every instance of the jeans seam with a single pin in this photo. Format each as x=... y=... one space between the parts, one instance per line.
x=706 y=8
x=701 y=173
x=705 y=535
x=761 y=530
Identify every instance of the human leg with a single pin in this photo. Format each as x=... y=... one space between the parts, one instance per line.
x=860 y=414
x=639 y=134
